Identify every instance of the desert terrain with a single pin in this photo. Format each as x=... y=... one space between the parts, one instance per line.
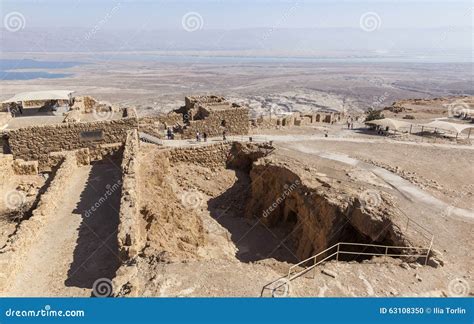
x=195 y=218
x=154 y=83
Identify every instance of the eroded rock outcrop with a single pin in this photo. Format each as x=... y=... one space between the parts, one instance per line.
x=320 y=214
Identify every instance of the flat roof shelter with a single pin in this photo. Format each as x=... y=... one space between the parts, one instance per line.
x=437 y=124
x=449 y=127
x=391 y=123
x=40 y=96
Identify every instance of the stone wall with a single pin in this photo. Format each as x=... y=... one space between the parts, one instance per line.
x=296 y=119
x=87 y=104
x=12 y=254
x=157 y=125
x=192 y=101
x=6 y=166
x=36 y=142
x=128 y=236
x=234 y=120
x=211 y=156
x=23 y=167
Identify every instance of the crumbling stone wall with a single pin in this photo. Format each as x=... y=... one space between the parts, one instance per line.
x=129 y=236
x=14 y=251
x=192 y=101
x=213 y=115
x=211 y=156
x=295 y=119
x=157 y=125
x=87 y=104
x=234 y=121
x=36 y=142
x=23 y=167
x=6 y=166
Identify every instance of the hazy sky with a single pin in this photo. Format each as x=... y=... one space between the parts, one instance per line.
x=233 y=14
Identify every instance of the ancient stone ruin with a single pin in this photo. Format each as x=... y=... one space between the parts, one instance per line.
x=167 y=211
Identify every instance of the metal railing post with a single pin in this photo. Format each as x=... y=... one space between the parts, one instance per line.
x=306 y=269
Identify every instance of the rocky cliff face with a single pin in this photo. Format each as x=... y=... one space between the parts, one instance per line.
x=318 y=214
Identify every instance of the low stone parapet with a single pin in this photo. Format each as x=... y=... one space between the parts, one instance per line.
x=18 y=245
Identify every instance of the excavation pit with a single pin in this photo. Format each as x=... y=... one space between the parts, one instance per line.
x=241 y=201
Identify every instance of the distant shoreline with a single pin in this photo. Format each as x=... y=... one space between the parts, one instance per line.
x=220 y=58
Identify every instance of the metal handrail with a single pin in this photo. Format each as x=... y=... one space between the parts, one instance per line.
x=337 y=246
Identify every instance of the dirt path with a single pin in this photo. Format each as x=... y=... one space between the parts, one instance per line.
x=77 y=246
x=406 y=188
x=299 y=138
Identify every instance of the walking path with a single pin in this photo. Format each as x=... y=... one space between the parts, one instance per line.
x=408 y=189
x=73 y=250
x=298 y=138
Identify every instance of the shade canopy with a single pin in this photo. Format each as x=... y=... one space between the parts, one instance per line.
x=41 y=95
x=437 y=124
x=447 y=126
x=391 y=123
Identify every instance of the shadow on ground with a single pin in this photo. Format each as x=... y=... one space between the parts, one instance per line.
x=254 y=240
x=96 y=252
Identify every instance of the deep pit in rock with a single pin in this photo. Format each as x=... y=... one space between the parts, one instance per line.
x=239 y=200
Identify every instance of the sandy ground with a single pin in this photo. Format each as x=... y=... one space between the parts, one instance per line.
x=240 y=257
x=79 y=249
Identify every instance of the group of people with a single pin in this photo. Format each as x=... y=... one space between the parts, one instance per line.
x=198 y=136
x=204 y=136
x=15 y=108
